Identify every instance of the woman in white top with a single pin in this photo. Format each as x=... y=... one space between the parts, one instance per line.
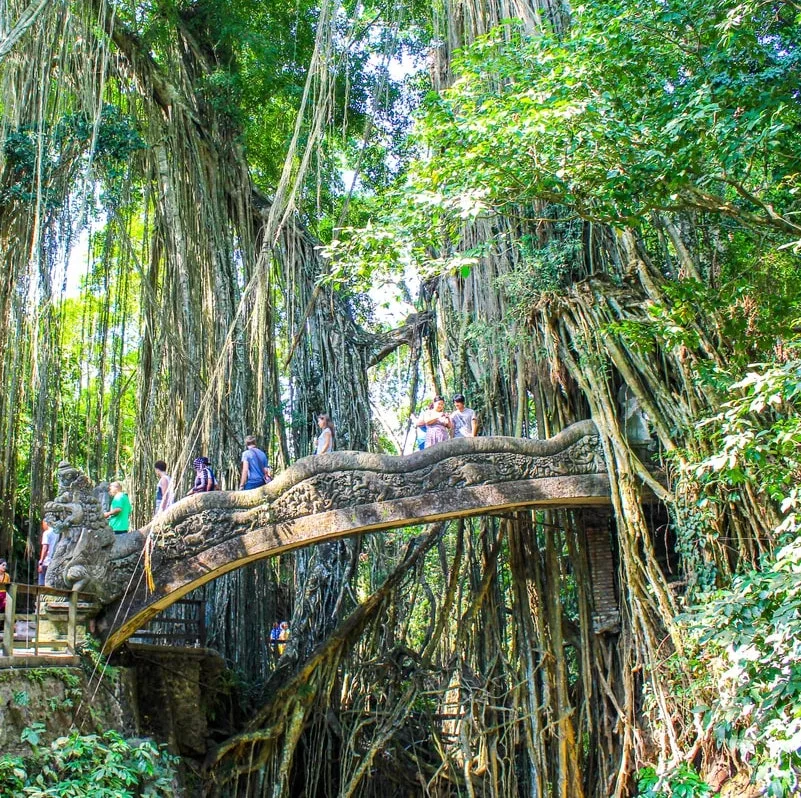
x=164 y=493
x=325 y=440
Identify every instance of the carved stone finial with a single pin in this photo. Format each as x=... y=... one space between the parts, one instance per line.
x=88 y=556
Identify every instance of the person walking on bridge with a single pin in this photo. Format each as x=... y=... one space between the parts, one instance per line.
x=256 y=470
x=205 y=480
x=465 y=420
x=164 y=491
x=119 y=514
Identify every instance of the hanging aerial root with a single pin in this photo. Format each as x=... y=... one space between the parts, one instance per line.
x=269 y=729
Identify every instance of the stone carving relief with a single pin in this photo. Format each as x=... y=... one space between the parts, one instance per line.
x=197 y=532
x=333 y=491
x=88 y=556
x=352 y=486
x=92 y=558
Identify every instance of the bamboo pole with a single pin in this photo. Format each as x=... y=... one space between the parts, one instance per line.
x=72 y=620
x=8 y=630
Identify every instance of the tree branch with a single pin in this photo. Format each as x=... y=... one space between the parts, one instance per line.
x=25 y=21
x=384 y=344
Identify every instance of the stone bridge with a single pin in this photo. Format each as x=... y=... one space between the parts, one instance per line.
x=346 y=493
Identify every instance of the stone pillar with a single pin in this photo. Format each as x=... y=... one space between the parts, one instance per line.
x=598 y=534
x=175 y=689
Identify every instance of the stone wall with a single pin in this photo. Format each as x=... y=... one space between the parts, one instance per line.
x=176 y=696
x=183 y=697
x=60 y=697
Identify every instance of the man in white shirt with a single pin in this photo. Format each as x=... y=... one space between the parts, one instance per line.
x=49 y=541
x=464 y=420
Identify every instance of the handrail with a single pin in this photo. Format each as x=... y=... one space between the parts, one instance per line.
x=15 y=589
x=194 y=628
x=32 y=590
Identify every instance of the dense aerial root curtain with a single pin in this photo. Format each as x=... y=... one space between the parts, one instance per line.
x=567 y=356
x=228 y=393
x=459 y=23
x=52 y=106
x=178 y=228
x=478 y=667
x=492 y=688
x=260 y=761
x=612 y=667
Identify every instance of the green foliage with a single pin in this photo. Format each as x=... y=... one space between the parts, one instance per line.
x=640 y=106
x=93 y=662
x=541 y=268
x=12 y=776
x=749 y=634
x=33 y=733
x=70 y=678
x=37 y=159
x=662 y=107
x=101 y=765
x=754 y=628
x=757 y=438
x=682 y=782
x=359 y=255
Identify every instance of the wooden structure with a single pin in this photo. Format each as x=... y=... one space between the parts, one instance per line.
x=185 y=628
x=37 y=630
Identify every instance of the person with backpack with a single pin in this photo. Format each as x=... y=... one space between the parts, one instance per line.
x=205 y=480
x=256 y=470
x=275 y=634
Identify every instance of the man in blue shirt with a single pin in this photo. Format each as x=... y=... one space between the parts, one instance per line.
x=256 y=470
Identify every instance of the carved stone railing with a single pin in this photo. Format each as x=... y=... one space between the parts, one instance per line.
x=344 y=493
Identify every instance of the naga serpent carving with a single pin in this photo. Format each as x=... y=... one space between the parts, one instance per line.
x=322 y=498
x=345 y=480
x=89 y=556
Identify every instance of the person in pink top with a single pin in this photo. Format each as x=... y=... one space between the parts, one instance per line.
x=437 y=423
x=5 y=580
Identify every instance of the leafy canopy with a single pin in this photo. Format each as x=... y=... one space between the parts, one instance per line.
x=642 y=106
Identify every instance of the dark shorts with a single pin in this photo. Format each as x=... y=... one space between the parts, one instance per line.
x=42 y=575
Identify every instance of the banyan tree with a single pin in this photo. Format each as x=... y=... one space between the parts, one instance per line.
x=591 y=215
